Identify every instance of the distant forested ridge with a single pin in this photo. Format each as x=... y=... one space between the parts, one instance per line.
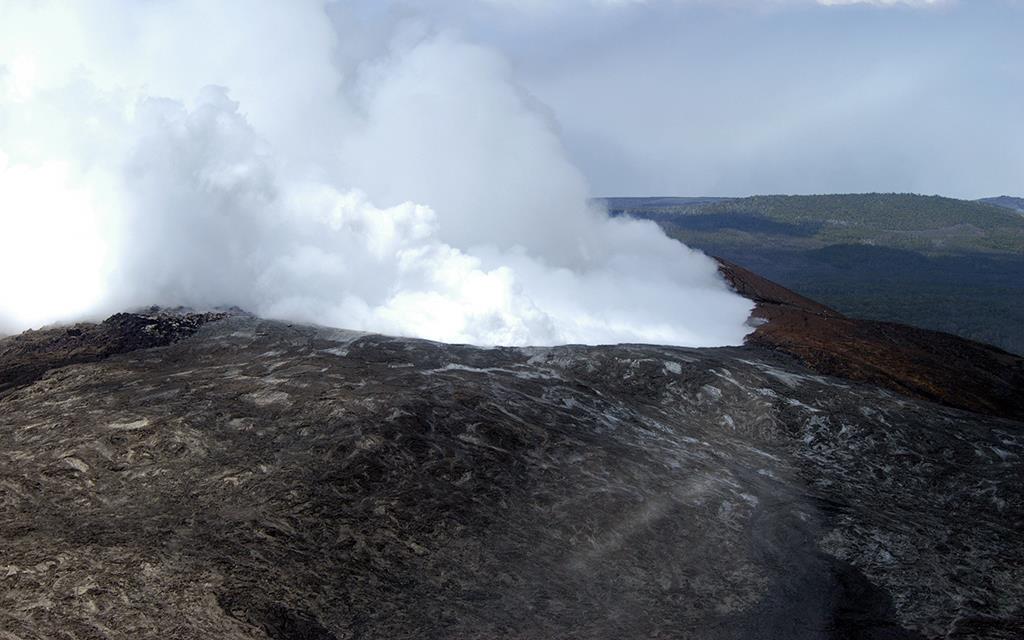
x=931 y=224
x=1009 y=202
x=934 y=262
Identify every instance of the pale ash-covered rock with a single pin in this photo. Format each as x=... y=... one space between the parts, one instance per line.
x=264 y=480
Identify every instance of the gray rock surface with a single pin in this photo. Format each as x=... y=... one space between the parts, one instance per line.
x=265 y=480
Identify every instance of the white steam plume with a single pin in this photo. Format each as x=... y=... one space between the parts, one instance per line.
x=270 y=155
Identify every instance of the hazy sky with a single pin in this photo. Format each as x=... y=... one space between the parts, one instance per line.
x=760 y=96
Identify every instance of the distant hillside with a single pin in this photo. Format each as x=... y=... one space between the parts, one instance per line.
x=937 y=263
x=1009 y=202
x=930 y=224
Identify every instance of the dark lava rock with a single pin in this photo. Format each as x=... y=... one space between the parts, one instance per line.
x=26 y=357
x=263 y=480
x=924 y=364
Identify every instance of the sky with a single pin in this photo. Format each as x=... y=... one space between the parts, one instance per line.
x=677 y=97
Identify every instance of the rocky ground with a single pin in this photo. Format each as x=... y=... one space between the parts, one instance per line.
x=256 y=479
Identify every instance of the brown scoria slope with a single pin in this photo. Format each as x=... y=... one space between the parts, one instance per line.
x=916 y=362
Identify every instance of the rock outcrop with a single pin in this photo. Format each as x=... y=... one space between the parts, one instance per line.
x=26 y=357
